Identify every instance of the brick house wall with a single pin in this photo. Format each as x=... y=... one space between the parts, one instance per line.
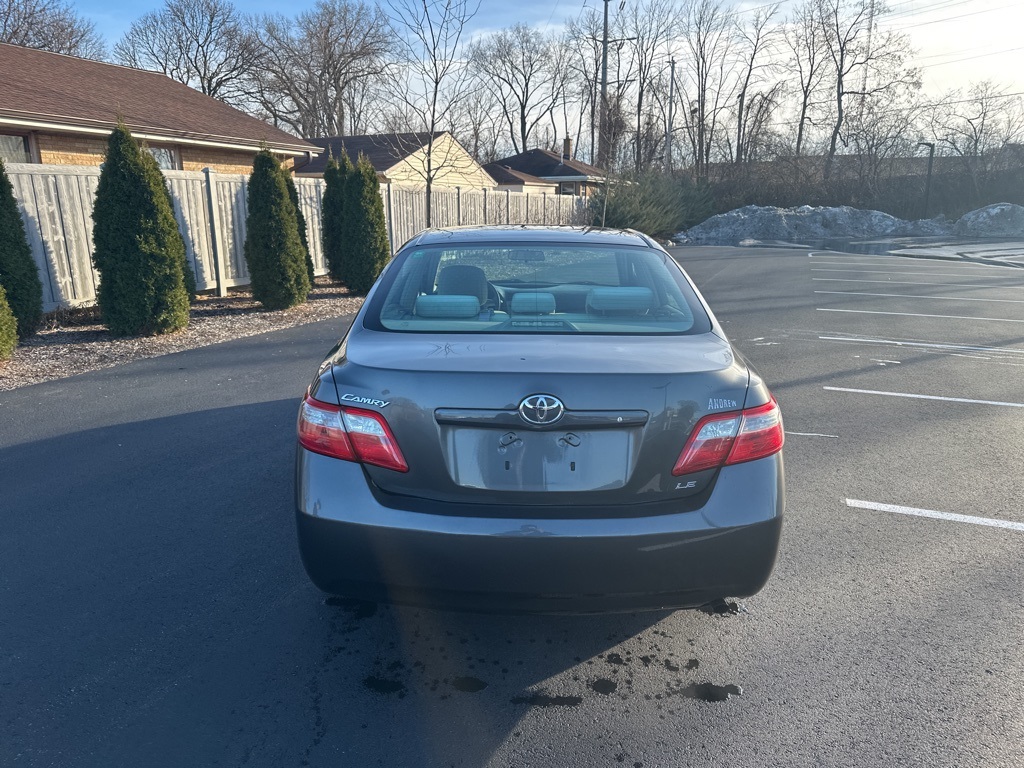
x=71 y=149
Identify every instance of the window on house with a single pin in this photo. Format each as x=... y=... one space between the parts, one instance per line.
x=14 y=149
x=166 y=157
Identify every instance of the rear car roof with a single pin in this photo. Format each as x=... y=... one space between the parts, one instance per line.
x=533 y=234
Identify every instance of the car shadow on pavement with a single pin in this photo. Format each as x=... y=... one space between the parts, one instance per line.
x=156 y=613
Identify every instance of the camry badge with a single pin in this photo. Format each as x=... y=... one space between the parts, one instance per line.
x=541 y=409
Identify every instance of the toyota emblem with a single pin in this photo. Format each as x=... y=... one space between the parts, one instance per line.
x=541 y=409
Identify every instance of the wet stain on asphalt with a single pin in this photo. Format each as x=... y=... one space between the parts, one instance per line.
x=723 y=608
x=710 y=692
x=468 y=684
x=614 y=658
x=383 y=685
x=603 y=686
x=693 y=664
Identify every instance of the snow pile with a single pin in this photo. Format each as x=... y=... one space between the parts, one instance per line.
x=999 y=220
x=807 y=223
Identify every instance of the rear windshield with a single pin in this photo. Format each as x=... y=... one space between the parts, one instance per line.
x=542 y=288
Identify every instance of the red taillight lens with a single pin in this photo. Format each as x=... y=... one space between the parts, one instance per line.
x=351 y=434
x=732 y=438
x=760 y=434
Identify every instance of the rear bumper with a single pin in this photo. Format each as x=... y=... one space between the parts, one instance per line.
x=353 y=545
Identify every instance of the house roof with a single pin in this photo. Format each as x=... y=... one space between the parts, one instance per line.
x=40 y=90
x=382 y=149
x=550 y=165
x=502 y=174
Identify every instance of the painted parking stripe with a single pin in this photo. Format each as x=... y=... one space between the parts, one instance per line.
x=906 y=261
x=810 y=434
x=928 y=344
x=916 y=314
x=924 y=397
x=912 y=296
x=995 y=286
x=935 y=515
x=890 y=272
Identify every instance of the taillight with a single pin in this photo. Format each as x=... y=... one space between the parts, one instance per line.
x=351 y=434
x=732 y=438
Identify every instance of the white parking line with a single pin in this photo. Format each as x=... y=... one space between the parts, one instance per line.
x=929 y=344
x=879 y=261
x=989 y=521
x=885 y=271
x=810 y=434
x=913 y=282
x=924 y=397
x=912 y=296
x=915 y=314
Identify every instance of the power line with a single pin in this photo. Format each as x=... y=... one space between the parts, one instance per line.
x=953 y=18
x=971 y=58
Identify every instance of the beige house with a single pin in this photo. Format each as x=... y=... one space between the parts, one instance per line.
x=401 y=158
x=57 y=109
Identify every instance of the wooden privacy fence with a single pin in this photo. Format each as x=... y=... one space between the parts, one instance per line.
x=56 y=204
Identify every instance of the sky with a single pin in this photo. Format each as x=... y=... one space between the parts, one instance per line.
x=957 y=41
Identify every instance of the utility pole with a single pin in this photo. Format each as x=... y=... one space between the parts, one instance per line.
x=928 y=180
x=602 y=132
x=671 y=113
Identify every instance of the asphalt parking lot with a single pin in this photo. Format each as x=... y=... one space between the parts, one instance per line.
x=154 y=610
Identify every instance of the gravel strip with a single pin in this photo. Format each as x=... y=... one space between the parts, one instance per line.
x=75 y=341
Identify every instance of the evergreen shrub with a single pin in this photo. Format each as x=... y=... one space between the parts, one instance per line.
x=656 y=204
x=273 y=248
x=293 y=195
x=137 y=248
x=369 y=250
x=19 y=275
x=336 y=234
x=8 y=327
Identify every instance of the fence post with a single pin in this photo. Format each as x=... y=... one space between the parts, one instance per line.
x=391 y=218
x=527 y=202
x=219 y=267
x=485 y=221
x=544 y=208
x=508 y=207
x=458 y=206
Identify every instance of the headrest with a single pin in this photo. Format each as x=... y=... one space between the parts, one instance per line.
x=451 y=307
x=621 y=299
x=532 y=303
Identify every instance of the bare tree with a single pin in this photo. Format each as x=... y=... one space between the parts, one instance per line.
x=583 y=68
x=805 y=40
x=519 y=63
x=648 y=26
x=202 y=43
x=432 y=77
x=856 y=49
x=49 y=25
x=477 y=120
x=757 y=40
x=975 y=125
x=707 y=36
x=310 y=66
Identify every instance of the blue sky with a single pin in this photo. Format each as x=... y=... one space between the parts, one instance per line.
x=113 y=17
x=957 y=41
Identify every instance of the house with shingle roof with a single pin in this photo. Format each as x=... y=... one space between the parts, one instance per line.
x=59 y=109
x=517 y=181
x=401 y=158
x=573 y=177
